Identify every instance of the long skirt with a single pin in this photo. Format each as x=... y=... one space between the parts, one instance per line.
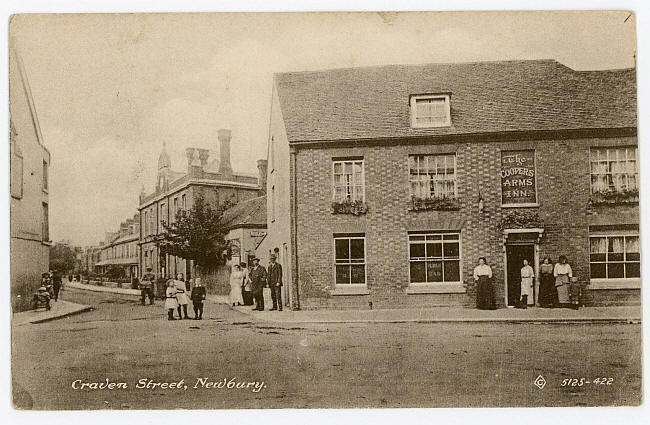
x=247 y=296
x=235 y=292
x=485 y=294
x=562 y=287
x=547 y=291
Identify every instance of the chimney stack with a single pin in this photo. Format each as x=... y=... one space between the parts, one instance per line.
x=262 y=165
x=225 y=168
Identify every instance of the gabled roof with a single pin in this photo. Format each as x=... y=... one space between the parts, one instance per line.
x=486 y=97
x=248 y=213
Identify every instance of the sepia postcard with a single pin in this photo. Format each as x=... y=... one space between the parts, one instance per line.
x=335 y=210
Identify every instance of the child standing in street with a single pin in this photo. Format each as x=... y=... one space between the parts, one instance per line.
x=170 y=300
x=198 y=297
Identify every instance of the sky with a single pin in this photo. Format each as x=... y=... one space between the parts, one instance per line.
x=110 y=89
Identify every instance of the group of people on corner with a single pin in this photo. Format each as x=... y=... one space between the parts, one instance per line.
x=555 y=285
x=176 y=298
x=51 y=284
x=247 y=286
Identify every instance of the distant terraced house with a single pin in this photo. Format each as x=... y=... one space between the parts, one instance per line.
x=120 y=249
x=398 y=178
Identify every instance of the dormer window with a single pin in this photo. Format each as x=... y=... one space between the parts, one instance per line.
x=430 y=110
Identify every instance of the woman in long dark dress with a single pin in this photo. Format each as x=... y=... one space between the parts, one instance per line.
x=484 y=288
x=547 y=291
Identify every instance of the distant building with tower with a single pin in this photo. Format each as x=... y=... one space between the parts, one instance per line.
x=213 y=180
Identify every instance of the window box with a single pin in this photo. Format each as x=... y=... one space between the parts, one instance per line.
x=441 y=204
x=613 y=197
x=521 y=219
x=349 y=207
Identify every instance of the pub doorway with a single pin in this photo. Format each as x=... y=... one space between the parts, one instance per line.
x=516 y=253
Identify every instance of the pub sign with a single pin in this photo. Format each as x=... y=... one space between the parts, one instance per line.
x=518 y=180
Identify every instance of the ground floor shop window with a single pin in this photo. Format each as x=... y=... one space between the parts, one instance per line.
x=614 y=257
x=434 y=257
x=350 y=260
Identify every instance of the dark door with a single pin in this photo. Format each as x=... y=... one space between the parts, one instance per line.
x=515 y=256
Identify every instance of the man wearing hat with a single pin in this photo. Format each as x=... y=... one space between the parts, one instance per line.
x=275 y=282
x=258 y=279
x=146 y=286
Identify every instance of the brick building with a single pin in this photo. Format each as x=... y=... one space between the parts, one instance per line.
x=214 y=181
x=397 y=178
x=29 y=189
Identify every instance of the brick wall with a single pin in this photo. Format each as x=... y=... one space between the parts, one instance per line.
x=563 y=188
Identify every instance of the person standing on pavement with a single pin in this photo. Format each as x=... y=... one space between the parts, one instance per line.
x=527 y=279
x=56 y=285
x=170 y=300
x=181 y=296
x=547 y=292
x=146 y=287
x=247 y=288
x=258 y=278
x=275 y=283
x=198 y=297
x=563 y=274
x=484 y=288
x=236 y=279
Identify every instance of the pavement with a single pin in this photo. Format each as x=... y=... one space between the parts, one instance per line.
x=613 y=314
x=626 y=314
x=59 y=310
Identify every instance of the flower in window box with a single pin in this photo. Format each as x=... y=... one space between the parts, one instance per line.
x=434 y=203
x=604 y=197
x=349 y=207
x=521 y=219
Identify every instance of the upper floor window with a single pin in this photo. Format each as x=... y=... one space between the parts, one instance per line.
x=45 y=175
x=432 y=176
x=430 y=111
x=613 y=170
x=183 y=202
x=46 y=222
x=349 y=181
x=162 y=214
x=146 y=223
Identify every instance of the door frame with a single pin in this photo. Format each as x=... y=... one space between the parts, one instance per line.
x=533 y=241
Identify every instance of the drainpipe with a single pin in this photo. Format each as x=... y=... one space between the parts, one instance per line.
x=294 y=227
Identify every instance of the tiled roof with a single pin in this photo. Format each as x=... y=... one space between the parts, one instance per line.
x=534 y=95
x=251 y=212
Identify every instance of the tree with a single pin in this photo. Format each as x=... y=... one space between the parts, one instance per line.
x=197 y=234
x=62 y=258
x=115 y=272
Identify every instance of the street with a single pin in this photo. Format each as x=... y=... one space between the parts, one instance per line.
x=229 y=361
